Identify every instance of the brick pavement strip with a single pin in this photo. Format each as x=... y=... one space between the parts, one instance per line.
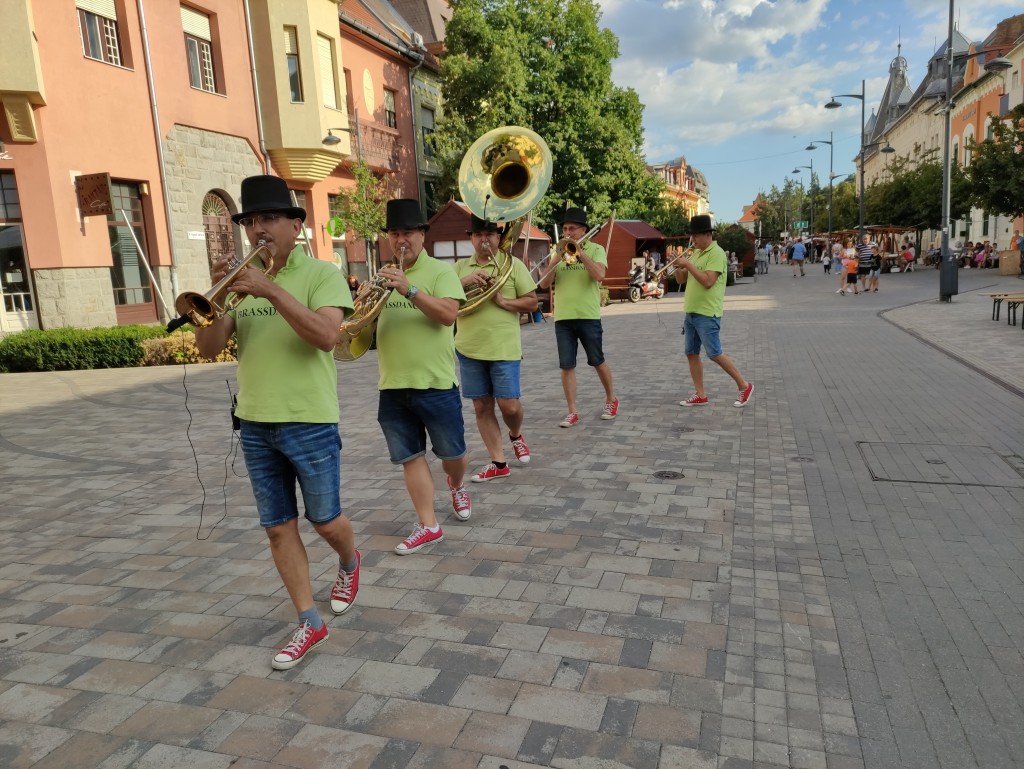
x=760 y=611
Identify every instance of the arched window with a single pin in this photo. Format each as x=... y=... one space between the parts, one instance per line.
x=968 y=135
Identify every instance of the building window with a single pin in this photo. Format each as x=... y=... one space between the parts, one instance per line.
x=198 y=49
x=98 y=22
x=348 y=91
x=291 y=55
x=328 y=71
x=128 y=276
x=427 y=130
x=390 y=116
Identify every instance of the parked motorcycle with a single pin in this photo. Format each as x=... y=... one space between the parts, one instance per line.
x=643 y=287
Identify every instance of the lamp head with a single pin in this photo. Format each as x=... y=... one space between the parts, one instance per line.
x=811 y=146
x=888 y=149
x=999 y=64
x=330 y=140
x=833 y=104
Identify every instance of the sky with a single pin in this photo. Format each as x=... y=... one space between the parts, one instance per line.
x=738 y=87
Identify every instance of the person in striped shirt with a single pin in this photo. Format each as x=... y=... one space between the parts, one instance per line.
x=864 y=259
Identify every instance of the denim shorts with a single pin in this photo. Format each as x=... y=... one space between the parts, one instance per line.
x=408 y=416
x=277 y=454
x=702 y=330
x=569 y=332
x=489 y=378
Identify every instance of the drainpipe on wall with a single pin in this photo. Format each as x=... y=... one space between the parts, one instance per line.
x=159 y=149
x=256 y=90
x=412 y=54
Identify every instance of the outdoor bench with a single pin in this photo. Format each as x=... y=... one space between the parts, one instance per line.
x=1013 y=301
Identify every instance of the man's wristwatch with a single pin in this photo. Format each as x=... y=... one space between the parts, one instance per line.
x=411 y=293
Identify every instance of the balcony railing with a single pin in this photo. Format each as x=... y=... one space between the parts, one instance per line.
x=381 y=147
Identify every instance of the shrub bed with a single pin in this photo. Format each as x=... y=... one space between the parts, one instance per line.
x=70 y=349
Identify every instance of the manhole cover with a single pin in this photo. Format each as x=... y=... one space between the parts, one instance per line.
x=668 y=475
x=803 y=459
x=955 y=465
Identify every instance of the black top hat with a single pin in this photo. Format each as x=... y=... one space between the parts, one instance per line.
x=266 y=194
x=404 y=214
x=700 y=223
x=476 y=224
x=575 y=216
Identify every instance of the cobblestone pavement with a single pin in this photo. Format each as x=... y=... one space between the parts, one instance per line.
x=830 y=578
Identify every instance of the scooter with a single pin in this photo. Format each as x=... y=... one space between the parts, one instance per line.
x=640 y=287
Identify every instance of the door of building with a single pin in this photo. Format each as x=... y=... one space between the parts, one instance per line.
x=220 y=231
x=18 y=310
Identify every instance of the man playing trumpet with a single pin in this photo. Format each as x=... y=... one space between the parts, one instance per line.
x=288 y=400
x=419 y=392
x=577 y=303
x=489 y=347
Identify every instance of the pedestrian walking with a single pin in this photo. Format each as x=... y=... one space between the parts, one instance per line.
x=703 y=306
x=864 y=259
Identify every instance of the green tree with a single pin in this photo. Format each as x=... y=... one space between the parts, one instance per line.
x=546 y=65
x=668 y=217
x=995 y=178
x=362 y=210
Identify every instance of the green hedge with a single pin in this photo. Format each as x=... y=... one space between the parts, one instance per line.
x=69 y=349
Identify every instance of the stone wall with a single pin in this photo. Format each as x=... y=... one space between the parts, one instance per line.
x=81 y=297
x=197 y=162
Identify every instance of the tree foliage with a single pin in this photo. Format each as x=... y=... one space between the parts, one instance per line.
x=996 y=173
x=363 y=209
x=546 y=65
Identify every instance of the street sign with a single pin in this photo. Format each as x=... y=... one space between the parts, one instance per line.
x=802 y=225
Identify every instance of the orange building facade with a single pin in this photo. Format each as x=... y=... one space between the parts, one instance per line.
x=129 y=124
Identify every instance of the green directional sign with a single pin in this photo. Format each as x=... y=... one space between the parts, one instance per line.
x=800 y=225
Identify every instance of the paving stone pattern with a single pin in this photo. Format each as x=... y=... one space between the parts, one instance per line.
x=775 y=605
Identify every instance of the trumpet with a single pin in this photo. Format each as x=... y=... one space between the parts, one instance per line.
x=203 y=309
x=355 y=335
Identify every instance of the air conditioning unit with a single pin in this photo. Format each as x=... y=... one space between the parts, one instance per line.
x=417 y=39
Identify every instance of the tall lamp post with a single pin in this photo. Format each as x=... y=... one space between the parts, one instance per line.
x=331 y=140
x=813 y=146
x=948 y=275
x=834 y=104
x=811 y=168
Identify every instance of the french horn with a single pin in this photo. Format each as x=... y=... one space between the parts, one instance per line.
x=502 y=177
x=355 y=335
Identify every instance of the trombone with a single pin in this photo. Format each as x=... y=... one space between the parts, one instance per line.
x=568 y=250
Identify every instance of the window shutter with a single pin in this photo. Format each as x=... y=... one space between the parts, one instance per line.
x=195 y=23
x=291 y=41
x=103 y=8
x=327 y=74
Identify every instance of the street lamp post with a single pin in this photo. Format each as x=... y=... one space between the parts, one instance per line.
x=330 y=140
x=811 y=168
x=813 y=146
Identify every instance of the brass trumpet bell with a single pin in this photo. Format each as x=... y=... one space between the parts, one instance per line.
x=505 y=173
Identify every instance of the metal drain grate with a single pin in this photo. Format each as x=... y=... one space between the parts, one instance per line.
x=668 y=475
x=802 y=459
x=956 y=465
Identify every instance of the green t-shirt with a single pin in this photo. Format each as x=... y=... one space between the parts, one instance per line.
x=282 y=378
x=707 y=301
x=491 y=333
x=577 y=296
x=413 y=351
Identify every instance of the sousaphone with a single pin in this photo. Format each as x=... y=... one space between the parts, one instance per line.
x=503 y=176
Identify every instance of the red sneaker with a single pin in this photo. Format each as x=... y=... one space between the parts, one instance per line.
x=695 y=400
x=611 y=409
x=570 y=420
x=522 y=450
x=421 y=537
x=460 y=499
x=343 y=594
x=487 y=472
x=304 y=640
x=745 y=394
